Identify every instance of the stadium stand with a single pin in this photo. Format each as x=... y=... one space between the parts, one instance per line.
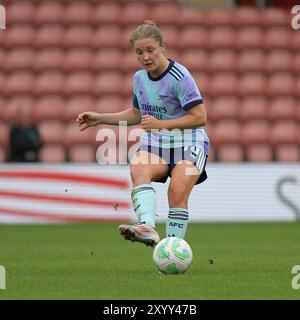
x=53 y=153
x=66 y=57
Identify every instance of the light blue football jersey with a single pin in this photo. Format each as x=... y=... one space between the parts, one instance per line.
x=168 y=97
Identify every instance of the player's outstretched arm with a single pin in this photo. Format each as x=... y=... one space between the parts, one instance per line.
x=91 y=119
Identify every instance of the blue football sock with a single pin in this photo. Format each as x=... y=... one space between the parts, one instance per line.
x=144 y=203
x=177 y=222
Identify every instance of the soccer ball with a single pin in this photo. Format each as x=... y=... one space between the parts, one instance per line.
x=172 y=255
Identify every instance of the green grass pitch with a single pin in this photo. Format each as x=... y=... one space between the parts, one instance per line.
x=92 y=261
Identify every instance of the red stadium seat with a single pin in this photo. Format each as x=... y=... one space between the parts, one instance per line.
x=76 y=105
x=4 y=134
x=295 y=41
x=279 y=60
x=79 y=59
x=271 y=17
x=246 y=17
x=107 y=36
x=203 y=82
x=107 y=59
x=79 y=36
x=20 y=12
x=230 y=153
x=287 y=153
x=285 y=132
x=3 y=40
x=191 y=17
x=3 y=103
x=50 y=82
x=283 y=108
x=296 y=63
x=195 y=59
x=127 y=101
x=134 y=14
x=73 y=135
x=127 y=85
x=124 y=41
x=108 y=83
x=277 y=37
x=78 y=12
x=19 y=82
x=222 y=60
x=224 y=108
x=107 y=13
x=110 y=104
x=130 y=62
x=281 y=83
x=224 y=83
x=49 y=12
x=219 y=18
x=297 y=86
x=50 y=35
x=49 y=59
x=151 y=2
x=79 y=82
x=19 y=59
x=192 y=38
x=2 y=80
x=259 y=153
x=256 y=132
x=53 y=153
x=19 y=35
x=227 y=131
x=2 y=154
x=252 y=84
x=165 y=13
x=222 y=37
x=82 y=153
x=254 y=108
x=13 y=105
x=49 y=107
x=174 y=54
x=51 y=131
x=170 y=36
x=3 y=56
x=249 y=37
x=251 y=60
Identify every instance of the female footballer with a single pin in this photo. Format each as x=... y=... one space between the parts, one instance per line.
x=169 y=107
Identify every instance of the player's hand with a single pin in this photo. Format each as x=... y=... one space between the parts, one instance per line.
x=150 y=123
x=88 y=119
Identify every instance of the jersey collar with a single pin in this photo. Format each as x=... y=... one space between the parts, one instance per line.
x=171 y=64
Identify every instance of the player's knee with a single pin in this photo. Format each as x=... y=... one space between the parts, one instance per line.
x=177 y=195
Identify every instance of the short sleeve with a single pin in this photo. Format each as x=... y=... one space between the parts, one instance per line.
x=188 y=93
x=135 y=102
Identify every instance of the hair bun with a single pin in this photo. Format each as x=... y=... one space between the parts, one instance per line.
x=151 y=22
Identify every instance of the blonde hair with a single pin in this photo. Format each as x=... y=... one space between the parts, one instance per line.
x=147 y=30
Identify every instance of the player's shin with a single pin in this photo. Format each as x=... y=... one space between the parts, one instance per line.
x=144 y=203
x=177 y=222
